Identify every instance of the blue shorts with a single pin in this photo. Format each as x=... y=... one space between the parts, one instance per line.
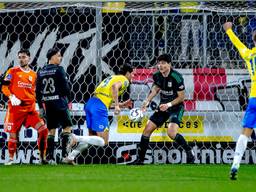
x=96 y=115
x=249 y=120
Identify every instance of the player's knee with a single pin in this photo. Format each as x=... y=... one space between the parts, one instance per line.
x=104 y=136
x=172 y=135
x=172 y=130
x=105 y=142
x=52 y=132
x=105 y=139
x=149 y=129
x=12 y=140
x=13 y=136
x=67 y=129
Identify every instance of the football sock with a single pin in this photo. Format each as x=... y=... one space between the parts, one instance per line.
x=92 y=140
x=65 y=139
x=182 y=142
x=12 y=146
x=84 y=142
x=143 y=146
x=240 y=148
x=42 y=141
x=50 y=146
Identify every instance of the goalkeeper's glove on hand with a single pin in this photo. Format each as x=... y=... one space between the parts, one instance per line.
x=14 y=100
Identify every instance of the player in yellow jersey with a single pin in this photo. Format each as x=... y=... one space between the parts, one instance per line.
x=249 y=121
x=105 y=94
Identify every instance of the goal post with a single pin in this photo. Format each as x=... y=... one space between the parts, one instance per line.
x=96 y=38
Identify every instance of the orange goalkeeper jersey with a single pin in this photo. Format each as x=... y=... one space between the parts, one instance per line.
x=22 y=85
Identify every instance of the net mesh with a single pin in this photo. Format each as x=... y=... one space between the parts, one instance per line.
x=217 y=83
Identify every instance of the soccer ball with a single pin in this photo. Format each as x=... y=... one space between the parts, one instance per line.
x=135 y=115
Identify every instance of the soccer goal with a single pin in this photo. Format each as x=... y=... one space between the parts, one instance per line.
x=96 y=38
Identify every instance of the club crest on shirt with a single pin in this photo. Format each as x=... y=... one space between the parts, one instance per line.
x=30 y=78
x=169 y=84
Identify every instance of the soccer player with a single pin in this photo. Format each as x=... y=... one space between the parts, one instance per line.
x=53 y=96
x=169 y=83
x=105 y=94
x=249 y=121
x=19 y=86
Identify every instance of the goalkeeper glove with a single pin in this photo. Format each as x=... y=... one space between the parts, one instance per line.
x=14 y=100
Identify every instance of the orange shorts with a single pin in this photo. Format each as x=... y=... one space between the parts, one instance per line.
x=18 y=116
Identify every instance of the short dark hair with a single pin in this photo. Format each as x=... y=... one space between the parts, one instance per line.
x=125 y=68
x=25 y=51
x=51 y=52
x=164 y=57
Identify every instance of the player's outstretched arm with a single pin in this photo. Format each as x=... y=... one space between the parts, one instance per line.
x=243 y=50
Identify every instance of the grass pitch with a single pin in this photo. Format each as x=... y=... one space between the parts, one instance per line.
x=123 y=178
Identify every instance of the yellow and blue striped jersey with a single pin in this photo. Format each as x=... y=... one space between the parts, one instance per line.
x=249 y=55
x=104 y=89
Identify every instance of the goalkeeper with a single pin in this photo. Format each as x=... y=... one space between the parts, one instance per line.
x=169 y=83
x=249 y=121
x=19 y=85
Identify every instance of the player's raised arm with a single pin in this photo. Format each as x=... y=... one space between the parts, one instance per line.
x=243 y=50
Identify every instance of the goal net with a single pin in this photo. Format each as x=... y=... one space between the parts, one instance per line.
x=96 y=38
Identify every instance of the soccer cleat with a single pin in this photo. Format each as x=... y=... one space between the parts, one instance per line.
x=136 y=162
x=10 y=162
x=233 y=174
x=44 y=162
x=68 y=161
x=191 y=157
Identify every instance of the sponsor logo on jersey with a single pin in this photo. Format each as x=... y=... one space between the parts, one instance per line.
x=24 y=85
x=166 y=92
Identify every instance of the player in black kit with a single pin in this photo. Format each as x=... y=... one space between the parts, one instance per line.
x=170 y=84
x=53 y=96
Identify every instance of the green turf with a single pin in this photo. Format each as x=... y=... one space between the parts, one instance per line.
x=121 y=178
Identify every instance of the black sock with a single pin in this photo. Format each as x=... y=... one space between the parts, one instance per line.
x=65 y=138
x=143 y=146
x=50 y=146
x=182 y=142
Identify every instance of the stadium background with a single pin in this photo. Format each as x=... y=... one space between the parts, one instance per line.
x=215 y=100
